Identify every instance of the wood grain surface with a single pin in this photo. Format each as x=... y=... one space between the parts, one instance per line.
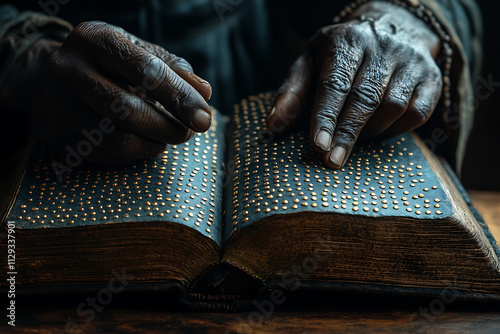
x=488 y=204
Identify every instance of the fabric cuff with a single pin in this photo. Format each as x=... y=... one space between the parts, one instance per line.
x=18 y=34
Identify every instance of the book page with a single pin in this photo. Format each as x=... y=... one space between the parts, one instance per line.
x=286 y=175
x=181 y=185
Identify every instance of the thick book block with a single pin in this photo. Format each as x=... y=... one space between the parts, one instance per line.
x=233 y=212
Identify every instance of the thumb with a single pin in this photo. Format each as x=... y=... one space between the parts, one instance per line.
x=292 y=97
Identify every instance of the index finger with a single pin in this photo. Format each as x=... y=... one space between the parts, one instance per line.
x=334 y=84
x=152 y=77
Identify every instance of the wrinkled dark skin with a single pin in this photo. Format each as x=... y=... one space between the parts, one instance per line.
x=373 y=76
x=101 y=71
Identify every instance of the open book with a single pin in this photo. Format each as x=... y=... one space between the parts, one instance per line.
x=229 y=214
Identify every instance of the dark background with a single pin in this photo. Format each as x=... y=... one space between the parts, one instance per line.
x=482 y=162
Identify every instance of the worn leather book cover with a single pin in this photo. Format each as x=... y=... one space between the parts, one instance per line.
x=233 y=214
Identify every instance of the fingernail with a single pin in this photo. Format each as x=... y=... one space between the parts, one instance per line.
x=337 y=156
x=272 y=112
x=323 y=140
x=203 y=82
x=197 y=78
x=201 y=120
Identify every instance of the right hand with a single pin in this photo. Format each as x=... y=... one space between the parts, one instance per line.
x=371 y=76
x=102 y=72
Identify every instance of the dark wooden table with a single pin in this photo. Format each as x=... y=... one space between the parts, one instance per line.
x=325 y=313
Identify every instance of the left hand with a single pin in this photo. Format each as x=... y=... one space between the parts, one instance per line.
x=366 y=78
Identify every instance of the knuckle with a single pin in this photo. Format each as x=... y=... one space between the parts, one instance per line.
x=347 y=132
x=367 y=95
x=180 y=93
x=420 y=112
x=418 y=57
x=413 y=52
x=121 y=102
x=321 y=34
x=396 y=104
x=130 y=112
x=153 y=72
x=62 y=65
x=178 y=62
x=342 y=31
x=337 y=83
x=56 y=61
x=340 y=34
x=350 y=34
x=435 y=75
x=85 y=30
x=326 y=117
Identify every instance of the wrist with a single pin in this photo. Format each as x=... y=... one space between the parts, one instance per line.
x=402 y=22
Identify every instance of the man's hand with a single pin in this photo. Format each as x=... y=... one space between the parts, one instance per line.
x=101 y=71
x=372 y=76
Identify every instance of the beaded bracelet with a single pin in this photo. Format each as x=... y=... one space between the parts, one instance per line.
x=445 y=59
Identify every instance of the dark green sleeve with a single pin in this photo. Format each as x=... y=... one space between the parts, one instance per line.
x=462 y=21
x=19 y=62
x=464 y=17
